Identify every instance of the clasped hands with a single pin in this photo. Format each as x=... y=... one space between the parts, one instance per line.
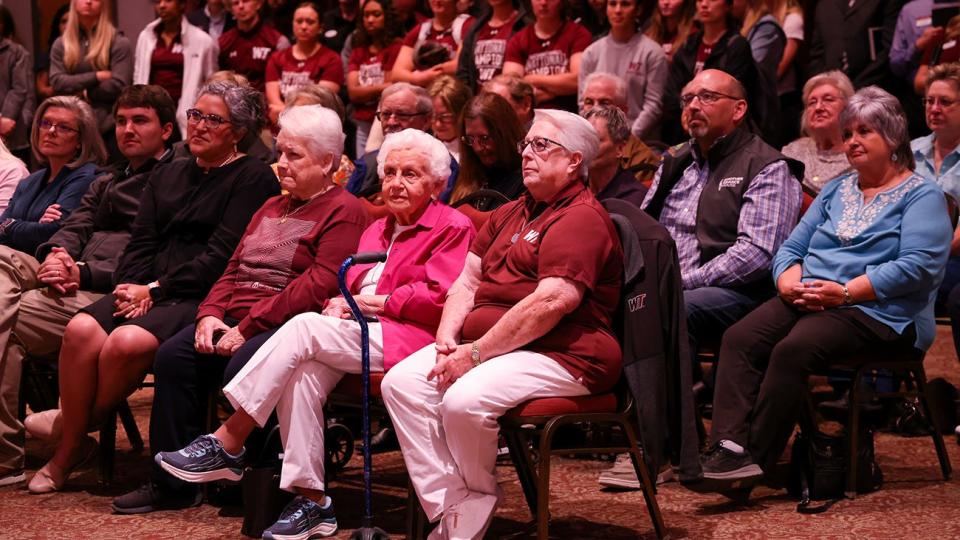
x=453 y=360
x=131 y=300
x=60 y=272
x=227 y=345
x=815 y=295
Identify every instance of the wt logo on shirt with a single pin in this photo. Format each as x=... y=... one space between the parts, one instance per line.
x=531 y=236
x=261 y=53
x=638 y=302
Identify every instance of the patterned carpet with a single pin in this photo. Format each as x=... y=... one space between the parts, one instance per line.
x=914 y=502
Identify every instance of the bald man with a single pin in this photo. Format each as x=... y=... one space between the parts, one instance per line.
x=729 y=200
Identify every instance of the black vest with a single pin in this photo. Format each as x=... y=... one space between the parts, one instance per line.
x=734 y=161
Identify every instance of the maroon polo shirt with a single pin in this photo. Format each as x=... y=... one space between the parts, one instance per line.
x=570 y=237
x=247 y=53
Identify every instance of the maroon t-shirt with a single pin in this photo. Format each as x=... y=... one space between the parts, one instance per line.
x=372 y=66
x=166 y=66
x=490 y=47
x=570 y=237
x=443 y=37
x=323 y=65
x=549 y=56
x=703 y=52
x=247 y=53
x=287 y=261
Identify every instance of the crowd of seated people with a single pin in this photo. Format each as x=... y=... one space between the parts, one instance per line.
x=182 y=207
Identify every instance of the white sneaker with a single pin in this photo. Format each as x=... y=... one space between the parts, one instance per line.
x=11 y=477
x=466 y=520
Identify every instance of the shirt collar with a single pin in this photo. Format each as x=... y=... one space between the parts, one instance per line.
x=534 y=207
x=428 y=219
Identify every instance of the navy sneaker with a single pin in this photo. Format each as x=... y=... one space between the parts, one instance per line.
x=203 y=460
x=303 y=519
x=727 y=471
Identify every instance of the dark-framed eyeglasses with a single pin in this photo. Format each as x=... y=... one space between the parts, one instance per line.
x=477 y=140
x=383 y=115
x=213 y=121
x=60 y=129
x=539 y=144
x=706 y=97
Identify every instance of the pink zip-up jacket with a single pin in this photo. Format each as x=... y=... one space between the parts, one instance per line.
x=423 y=263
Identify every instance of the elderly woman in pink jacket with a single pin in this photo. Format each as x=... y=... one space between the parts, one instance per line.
x=294 y=371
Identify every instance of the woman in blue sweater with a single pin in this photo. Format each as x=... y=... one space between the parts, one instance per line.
x=857 y=278
x=65 y=139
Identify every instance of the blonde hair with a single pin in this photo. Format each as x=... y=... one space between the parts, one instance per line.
x=103 y=33
x=781 y=8
x=755 y=10
x=657 y=30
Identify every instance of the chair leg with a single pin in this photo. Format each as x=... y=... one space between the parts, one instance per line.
x=523 y=464
x=130 y=426
x=853 y=429
x=921 y=382
x=543 y=481
x=649 y=488
x=108 y=448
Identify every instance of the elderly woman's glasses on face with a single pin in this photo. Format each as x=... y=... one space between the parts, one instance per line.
x=59 y=129
x=706 y=97
x=539 y=144
x=213 y=121
x=383 y=115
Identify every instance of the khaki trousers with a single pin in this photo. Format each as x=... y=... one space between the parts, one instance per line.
x=32 y=321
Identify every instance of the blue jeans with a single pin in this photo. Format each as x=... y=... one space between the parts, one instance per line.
x=710 y=311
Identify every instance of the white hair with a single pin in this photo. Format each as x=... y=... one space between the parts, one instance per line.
x=619 y=85
x=319 y=126
x=438 y=157
x=575 y=133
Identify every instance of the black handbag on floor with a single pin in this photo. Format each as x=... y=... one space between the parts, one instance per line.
x=818 y=469
x=263 y=500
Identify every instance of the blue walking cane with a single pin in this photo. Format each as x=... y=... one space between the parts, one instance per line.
x=366 y=531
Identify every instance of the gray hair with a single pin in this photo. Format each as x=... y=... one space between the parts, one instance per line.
x=247 y=106
x=424 y=101
x=314 y=94
x=881 y=111
x=834 y=78
x=438 y=157
x=574 y=132
x=92 y=149
x=318 y=126
x=619 y=85
x=614 y=119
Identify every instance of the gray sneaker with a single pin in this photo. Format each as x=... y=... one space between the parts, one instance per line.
x=621 y=476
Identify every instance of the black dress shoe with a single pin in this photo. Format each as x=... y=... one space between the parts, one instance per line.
x=150 y=497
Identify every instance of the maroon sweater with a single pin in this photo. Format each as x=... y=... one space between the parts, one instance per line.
x=286 y=266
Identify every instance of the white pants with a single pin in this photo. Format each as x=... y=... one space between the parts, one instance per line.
x=294 y=371
x=449 y=440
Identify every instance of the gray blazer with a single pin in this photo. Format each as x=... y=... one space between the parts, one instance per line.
x=17 y=97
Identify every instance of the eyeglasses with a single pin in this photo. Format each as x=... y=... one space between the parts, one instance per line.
x=539 y=144
x=445 y=118
x=477 y=140
x=825 y=100
x=60 y=129
x=944 y=103
x=706 y=97
x=383 y=115
x=213 y=121
x=590 y=102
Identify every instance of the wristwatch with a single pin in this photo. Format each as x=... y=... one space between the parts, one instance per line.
x=475 y=354
x=155 y=292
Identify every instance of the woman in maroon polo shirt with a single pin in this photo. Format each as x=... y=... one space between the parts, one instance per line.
x=529 y=317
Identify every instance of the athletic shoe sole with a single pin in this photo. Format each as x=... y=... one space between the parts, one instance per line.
x=13 y=479
x=742 y=478
x=618 y=483
x=319 y=531
x=146 y=509
x=199 y=477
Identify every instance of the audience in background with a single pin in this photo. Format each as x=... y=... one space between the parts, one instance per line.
x=608 y=179
x=246 y=48
x=482 y=54
x=790 y=18
x=213 y=18
x=449 y=97
x=547 y=55
x=376 y=44
x=635 y=58
x=671 y=24
x=763 y=32
x=339 y=22
x=176 y=55
x=17 y=98
x=42 y=290
x=518 y=93
x=57 y=26
x=12 y=171
x=67 y=144
x=296 y=369
x=488 y=150
x=430 y=48
x=191 y=216
x=854 y=41
x=914 y=38
x=93 y=61
x=316 y=226
x=854 y=282
x=821 y=148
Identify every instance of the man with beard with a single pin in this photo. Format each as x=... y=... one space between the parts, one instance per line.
x=39 y=293
x=402 y=106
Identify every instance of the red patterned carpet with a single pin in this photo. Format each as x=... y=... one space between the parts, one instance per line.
x=914 y=503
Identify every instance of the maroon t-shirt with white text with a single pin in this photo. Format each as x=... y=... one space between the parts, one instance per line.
x=292 y=73
x=372 y=66
x=490 y=46
x=549 y=56
x=247 y=53
x=443 y=37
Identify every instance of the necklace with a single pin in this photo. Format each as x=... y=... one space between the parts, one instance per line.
x=288 y=212
x=229 y=159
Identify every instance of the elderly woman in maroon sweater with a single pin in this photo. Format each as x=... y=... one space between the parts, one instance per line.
x=286 y=263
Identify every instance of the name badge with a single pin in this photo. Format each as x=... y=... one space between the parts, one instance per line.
x=924 y=21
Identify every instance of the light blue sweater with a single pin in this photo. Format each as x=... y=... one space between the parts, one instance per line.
x=901 y=240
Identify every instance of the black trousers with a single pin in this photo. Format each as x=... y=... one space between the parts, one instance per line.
x=766 y=360
x=184 y=379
